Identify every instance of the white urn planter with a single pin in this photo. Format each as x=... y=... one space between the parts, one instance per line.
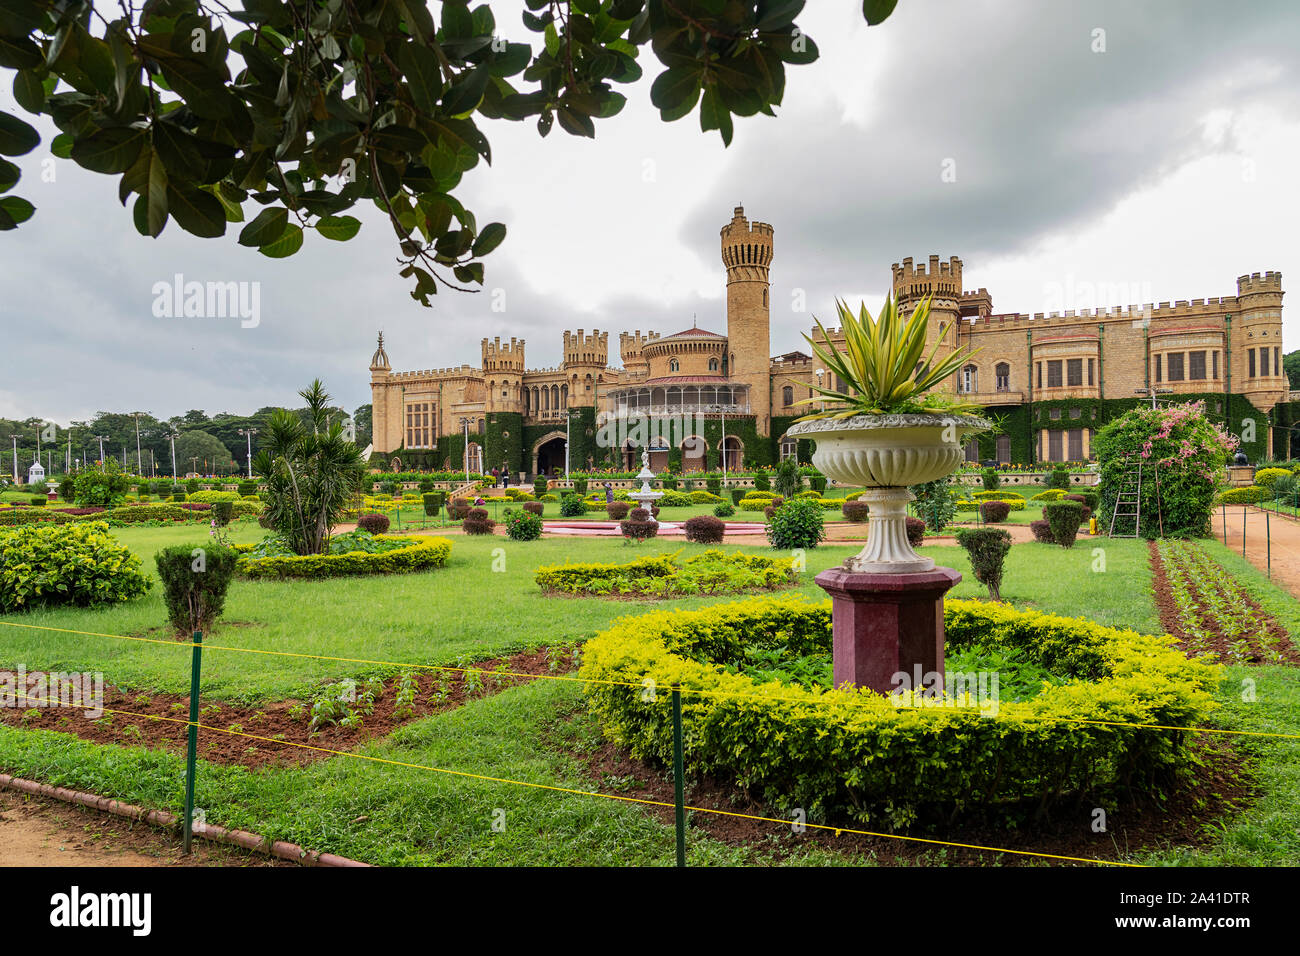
x=885 y=454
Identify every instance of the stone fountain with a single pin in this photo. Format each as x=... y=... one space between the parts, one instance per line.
x=646 y=496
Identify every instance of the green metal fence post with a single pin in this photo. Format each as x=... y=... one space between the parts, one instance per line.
x=1224 y=509
x=1243 y=531
x=679 y=770
x=1268 y=537
x=191 y=752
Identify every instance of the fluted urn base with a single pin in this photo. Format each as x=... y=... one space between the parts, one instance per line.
x=887 y=550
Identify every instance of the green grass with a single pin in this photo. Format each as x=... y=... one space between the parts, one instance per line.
x=483 y=603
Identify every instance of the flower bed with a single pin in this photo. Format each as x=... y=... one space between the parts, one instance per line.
x=711 y=572
x=418 y=554
x=871 y=758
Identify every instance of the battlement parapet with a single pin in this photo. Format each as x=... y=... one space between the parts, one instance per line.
x=1256 y=283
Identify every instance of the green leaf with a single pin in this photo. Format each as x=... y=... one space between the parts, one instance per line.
x=575 y=124
x=339 y=228
x=488 y=239
x=18 y=137
x=877 y=11
x=196 y=211
x=109 y=151
x=61 y=145
x=19 y=53
x=267 y=226
x=423 y=77
x=9 y=175
x=715 y=115
x=156 y=196
x=286 y=245
x=29 y=91
x=466 y=93
x=17 y=210
x=676 y=91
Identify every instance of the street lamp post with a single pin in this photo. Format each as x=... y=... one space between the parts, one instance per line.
x=465 y=425
x=568 y=418
x=172 y=435
x=139 y=463
x=249 y=433
x=722 y=448
x=15 y=438
x=101 y=439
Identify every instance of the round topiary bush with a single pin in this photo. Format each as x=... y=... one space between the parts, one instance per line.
x=637 y=526
x=571 y=506
x=374 y=523
x=1042 y=531
x=987 y=549
x=796 y=524
x=915 y=532
x=704 y=529
x=856 y=511
x=1064 y=519
x=919 y=755
x=432 y=501
x=1058 y=477
x=617 y=510
x=994 y=511
x=222 y=512
x=477 y=522
x=724 y=511
x=990 y=479
x=195 y=581
x=457 y=509
x=534 y=507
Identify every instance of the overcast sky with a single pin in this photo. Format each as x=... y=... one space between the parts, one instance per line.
x=1159 y=169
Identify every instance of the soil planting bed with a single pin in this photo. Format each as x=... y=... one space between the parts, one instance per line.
x=272 y=720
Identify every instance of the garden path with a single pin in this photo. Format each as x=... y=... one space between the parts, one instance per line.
x=1276 y=533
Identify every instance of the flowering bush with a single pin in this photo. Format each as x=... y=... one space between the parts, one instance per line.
x=1178 y=447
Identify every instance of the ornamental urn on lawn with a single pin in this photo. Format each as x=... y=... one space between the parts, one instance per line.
x=888 y=432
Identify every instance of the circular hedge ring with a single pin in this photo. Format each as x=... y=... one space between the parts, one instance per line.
x=897 y=760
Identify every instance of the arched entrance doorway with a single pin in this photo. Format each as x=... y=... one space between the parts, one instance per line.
x=548 y=455
x=692 y=454
x=733 y=453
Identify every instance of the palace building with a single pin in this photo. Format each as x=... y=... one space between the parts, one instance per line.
x=1050 y=380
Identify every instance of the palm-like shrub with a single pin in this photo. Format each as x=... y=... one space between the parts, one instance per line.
x=884 y=364
x=788 y=482
x=309 y=472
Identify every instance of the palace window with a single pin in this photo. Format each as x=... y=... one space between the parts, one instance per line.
x=1159 y=375
x=1076 y=413
x=840 y=387
x=1196 y=365
x=973 y=450
x=713 y=365
x=1250 y=359
x=1277 y=360
x=1214 y=364
x=969 y=379
x=789 y=447
x=1074 y=372
x=1002 y=374
x=1175 y=360
x=1076 y=444
x=787 y=395
x=674 y=366
x=1263 y=362
x=1004 y=449
x=1054 y=374
x=1054 y=446
x=418 y=433
x=1091 y=365
x=1054 y=414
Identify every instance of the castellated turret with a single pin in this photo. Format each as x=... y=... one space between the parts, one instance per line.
x=583 y=349
x=630 y=349
x=503 y=373
x=747 y=255
x=941 y=281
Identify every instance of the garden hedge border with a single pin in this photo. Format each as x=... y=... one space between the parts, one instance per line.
x=854 y=754
x=422 y=555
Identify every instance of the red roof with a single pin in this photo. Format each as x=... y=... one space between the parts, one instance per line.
x=684 y=380
x=692 y=331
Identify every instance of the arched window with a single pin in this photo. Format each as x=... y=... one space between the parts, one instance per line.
x=674 y=365
x=713 y=365
x=482 y=426
x=1002 y=372
x=789 y=447
x=969 y=379
x=787 y=398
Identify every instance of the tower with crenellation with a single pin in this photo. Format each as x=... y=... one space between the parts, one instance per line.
x=1255 y=339
x=941 y=282
x=503 y=374
x=631 y=349
x=747 y=254
x=586 y=357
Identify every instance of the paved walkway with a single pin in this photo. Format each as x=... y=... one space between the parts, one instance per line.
x=1273 y=533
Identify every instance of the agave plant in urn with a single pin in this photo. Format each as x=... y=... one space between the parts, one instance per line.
x=895 y=427
x=890 y=430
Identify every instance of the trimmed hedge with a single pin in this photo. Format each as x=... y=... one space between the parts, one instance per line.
x=79 y=564
x=1051 y=494
x=705 y=529
x=1042 y=531
x=723 y=573
x=1265 y=477
x=1250 y=495
x=846 y=754
x=1064 y=518
x=856 y=511
x=195 y=584
x=993 y=512
x=1015 y=504
x=423 y=554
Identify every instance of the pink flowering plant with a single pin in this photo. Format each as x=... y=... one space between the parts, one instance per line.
x=1178 y=447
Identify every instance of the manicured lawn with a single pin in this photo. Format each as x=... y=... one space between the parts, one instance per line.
x=485 y=603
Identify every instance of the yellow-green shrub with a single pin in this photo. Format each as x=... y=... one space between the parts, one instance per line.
x=423 y=554
x=854 y=754
x=1016 y=504
x=1265 y=477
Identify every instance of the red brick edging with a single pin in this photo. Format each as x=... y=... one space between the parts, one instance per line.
x=161 y=818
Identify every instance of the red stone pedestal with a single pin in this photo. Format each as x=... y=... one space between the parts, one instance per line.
x=882 y=624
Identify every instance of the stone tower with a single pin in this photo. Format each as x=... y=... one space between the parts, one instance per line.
x=942 y=282
x=380 y=371
x=747 y=254
x=503 y=374
x=585 y=360
x=1257 y=328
